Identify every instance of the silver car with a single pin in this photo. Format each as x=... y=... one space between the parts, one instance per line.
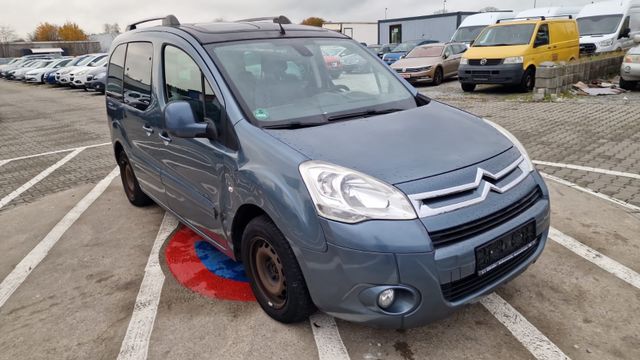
x=630 y=69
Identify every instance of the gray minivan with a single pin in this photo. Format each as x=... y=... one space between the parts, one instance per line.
x=355 y=195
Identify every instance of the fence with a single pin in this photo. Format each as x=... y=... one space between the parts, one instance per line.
x=71 y=48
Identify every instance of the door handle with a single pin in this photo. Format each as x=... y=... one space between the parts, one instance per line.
x=148 y=129
x=165 y=138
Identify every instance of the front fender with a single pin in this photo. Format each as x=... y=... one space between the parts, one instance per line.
x=271 y=181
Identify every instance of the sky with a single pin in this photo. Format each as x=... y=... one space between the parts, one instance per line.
x=24 y=15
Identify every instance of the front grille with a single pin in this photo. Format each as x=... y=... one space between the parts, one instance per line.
x=484 y=224
x=490 y=62
x=462 y=288
x=588 y=48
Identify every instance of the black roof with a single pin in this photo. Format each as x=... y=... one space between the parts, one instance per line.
x=234 y=31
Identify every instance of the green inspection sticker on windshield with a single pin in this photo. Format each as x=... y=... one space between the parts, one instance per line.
x=261 y=114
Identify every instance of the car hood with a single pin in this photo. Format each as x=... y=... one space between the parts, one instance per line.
x=416 y=62
x=401 y=147
x=495 y=52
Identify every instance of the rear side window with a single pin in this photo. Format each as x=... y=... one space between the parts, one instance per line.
x=116 y=71
x=137 y=75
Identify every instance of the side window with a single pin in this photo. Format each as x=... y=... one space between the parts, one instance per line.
x=184 y=81
x=448 y=52
x=542 y=37
x=137 y=75
x=116 y=71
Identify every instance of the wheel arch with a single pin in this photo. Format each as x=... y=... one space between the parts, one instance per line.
x=241 y=219
x=117 y=149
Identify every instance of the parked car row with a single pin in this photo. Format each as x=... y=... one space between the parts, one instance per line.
x=85 y=72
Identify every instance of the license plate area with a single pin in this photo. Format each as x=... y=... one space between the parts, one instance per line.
x=505 y=248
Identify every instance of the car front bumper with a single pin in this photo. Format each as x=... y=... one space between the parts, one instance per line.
x=33 y=78
x=418 y=75
x=507 y=74
x=630 y=71
x=344 y=282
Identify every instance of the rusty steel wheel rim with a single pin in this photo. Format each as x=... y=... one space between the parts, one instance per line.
x=267 y=271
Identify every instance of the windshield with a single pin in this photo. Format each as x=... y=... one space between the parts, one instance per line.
x=75 y=61
x=505 y=35
x=287 y=81
x=430 y=51
x=100 y=60
x=599 y=25
x=86 y=60
x=404 y=47
x=467 y=34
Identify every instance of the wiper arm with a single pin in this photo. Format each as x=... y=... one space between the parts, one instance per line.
x=293 y=125
x=362 y=114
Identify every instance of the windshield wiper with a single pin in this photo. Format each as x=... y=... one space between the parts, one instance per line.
x=362 y=114
x=294 y=125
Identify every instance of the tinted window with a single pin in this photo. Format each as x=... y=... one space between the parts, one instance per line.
x=116 y=71
x=137 y=75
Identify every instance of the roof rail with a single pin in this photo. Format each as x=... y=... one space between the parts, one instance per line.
x=169 y=20
x=536 y=17
x=275 y=19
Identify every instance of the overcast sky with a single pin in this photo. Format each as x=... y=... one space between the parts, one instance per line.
x=24 y=15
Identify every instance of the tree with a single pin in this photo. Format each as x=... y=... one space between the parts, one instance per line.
x=313 y=21
x=112 y=28
x=45 y=32
x=71 y=32
x=489 y=9
x=7 y=34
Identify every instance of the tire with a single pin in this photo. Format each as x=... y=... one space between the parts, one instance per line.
x=528 y=81
x=468 y=87
x=628 y=85
x=274 y=273
x=130 y=183
x=438 y=76
x=335 y=74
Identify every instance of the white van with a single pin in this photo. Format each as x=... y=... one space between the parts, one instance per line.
x=472 y=25
x=609 y=26
x=551 y=11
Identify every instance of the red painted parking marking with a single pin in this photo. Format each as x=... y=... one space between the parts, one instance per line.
x=188 y=269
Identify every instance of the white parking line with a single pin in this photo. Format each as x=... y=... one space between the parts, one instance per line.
x=527 y=334
x=606 y=263
x=18 y=275
x=136 y=341
x=588 y=168
x=7 y=199
x=327 y=337
x=591 y=192
x=2 y=162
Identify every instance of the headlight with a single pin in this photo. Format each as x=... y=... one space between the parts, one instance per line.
x=349 y=196
x=464 y=61
x=606 y=43
x=634 y=59
x=514 y=60
x=515 y=142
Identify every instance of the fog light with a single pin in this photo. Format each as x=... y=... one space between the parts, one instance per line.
x=386 y=298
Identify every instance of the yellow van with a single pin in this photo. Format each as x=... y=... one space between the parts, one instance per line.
x=510 y=51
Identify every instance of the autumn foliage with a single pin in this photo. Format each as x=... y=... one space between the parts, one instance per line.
x=71 y=32
x=313 y=21
x=68 y=32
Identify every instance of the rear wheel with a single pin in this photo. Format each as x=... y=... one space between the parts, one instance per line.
x=130 y=183
x=276 y=278
x=438 y=76
x=468 y=87
x=528 y=81
x=628 y=85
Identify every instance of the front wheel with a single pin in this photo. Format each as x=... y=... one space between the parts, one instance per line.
x=274 y=273
x=468 y=87
x=628 y=85
x=528 y=81
x=438 y=77
x=130 y=183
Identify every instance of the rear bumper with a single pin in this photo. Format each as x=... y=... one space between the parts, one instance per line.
x=508 y=74
x=630 y=72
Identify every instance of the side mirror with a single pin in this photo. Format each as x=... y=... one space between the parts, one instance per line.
x=445 y=56
x=180 y=121
x=636 y=39
x=624 y=33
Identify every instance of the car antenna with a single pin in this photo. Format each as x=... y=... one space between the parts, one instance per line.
x=282 y=19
